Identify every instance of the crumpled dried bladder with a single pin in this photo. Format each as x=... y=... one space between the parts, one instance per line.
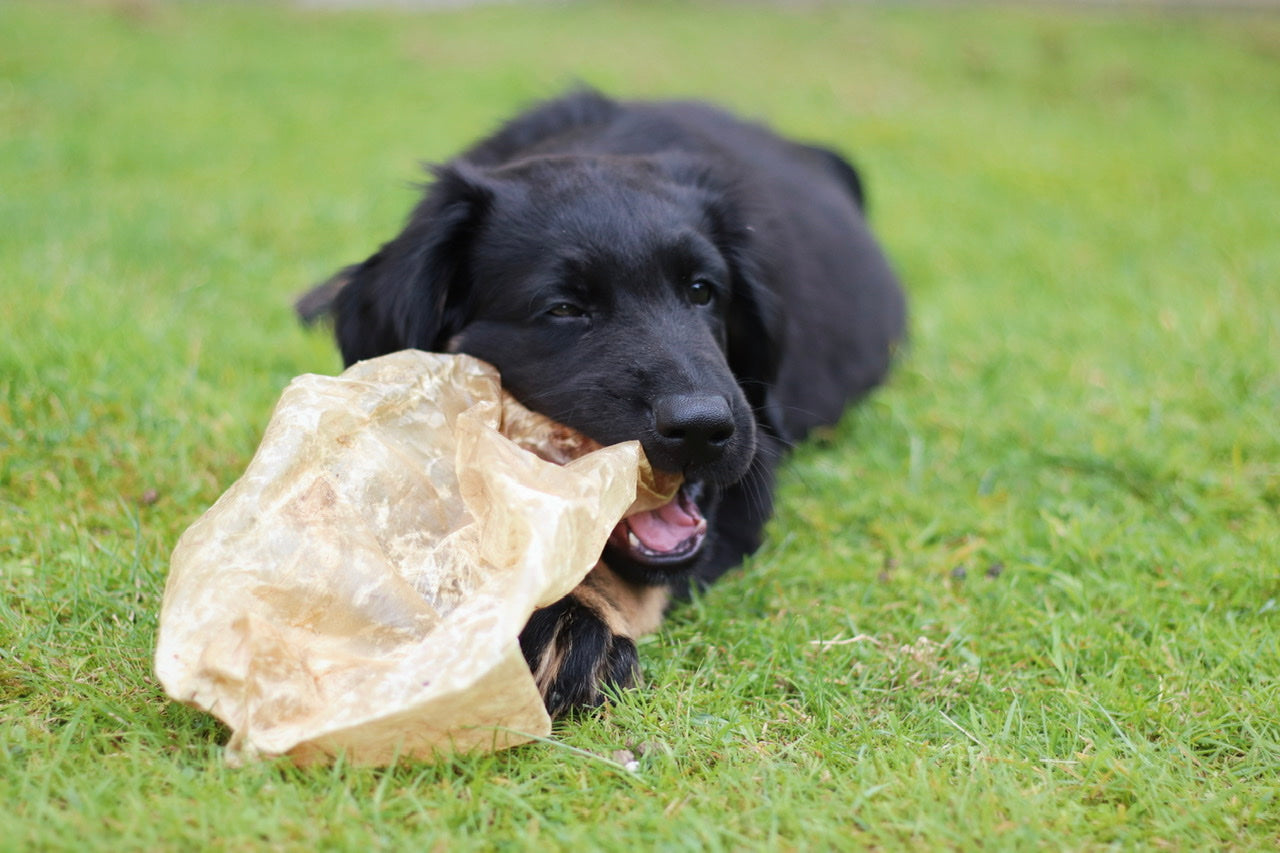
x=361 y=589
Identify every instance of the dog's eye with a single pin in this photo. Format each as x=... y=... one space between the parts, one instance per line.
x=566 y=309
x=700 y=292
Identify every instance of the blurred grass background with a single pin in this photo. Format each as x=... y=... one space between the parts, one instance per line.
x=1025 y=597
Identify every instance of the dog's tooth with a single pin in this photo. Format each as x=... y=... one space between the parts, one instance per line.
x=633 y=541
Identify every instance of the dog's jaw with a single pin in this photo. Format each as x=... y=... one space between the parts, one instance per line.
x=688 y=524
x=667 y=536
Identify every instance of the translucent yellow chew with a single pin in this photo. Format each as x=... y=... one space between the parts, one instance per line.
x=362 y=587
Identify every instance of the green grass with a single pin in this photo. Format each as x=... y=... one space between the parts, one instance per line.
x=1047 y=556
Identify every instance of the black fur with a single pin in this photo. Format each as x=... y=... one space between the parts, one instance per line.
x=574 y=249
x=587 y=655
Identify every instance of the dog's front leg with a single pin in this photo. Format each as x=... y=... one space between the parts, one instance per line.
x=586 y=640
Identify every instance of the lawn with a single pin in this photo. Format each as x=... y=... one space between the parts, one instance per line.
x=1025 y=597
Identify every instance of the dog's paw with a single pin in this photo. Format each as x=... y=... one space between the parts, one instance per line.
x=574 y=655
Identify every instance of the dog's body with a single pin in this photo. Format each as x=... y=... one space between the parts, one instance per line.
x=652 y=271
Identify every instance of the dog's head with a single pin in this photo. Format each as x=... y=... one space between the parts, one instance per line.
x=620 y=296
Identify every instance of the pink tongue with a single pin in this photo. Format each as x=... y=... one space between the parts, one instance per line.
x=667 y=527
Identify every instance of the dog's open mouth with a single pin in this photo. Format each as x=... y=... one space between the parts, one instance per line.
x=672 y=533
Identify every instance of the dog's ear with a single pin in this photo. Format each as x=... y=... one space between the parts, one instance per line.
x=753 y=318
x=408 y=294
x=755 y=338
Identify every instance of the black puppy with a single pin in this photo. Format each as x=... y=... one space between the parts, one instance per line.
x=653 y=271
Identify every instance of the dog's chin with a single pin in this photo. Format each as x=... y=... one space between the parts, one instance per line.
x=660 y=545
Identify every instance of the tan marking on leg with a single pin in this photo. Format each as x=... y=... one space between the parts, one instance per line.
x=629 y=609
x=549 y=664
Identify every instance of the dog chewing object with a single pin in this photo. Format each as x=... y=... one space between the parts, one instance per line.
x=361 y=589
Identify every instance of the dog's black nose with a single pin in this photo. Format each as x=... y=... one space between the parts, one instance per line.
x=693 y=429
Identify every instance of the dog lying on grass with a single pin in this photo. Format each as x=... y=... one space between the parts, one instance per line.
x=655 y=271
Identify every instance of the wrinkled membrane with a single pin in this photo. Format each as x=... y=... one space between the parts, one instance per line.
x=360 y=590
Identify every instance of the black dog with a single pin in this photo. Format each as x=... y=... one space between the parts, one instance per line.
x=653 y=271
